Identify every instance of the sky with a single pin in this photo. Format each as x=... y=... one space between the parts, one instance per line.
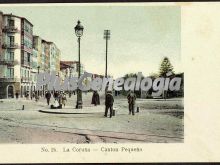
x=140 y=35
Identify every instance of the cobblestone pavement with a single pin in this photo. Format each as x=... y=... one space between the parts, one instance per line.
x=158 y=121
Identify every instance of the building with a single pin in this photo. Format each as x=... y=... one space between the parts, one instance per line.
x=54 y=58
x=34 y=70
x=15 y=54
x=48 y=57
x=22 y=56
x=68 y=68
x=26 y=55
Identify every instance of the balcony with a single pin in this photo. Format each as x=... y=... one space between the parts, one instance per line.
x=10 y=29
x=8 y=62
x=25 y=79
x=26 y=64
x=9 y=79
x=10 y=46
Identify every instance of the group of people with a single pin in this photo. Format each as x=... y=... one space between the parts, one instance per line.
x=109 y=101
x=26 y=95
x=60 y=99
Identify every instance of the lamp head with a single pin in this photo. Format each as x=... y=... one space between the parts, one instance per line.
x=79 y=29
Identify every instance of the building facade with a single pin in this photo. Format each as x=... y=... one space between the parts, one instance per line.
x=22 y=56
x=54 y=58
x=68 y=68
x=26 y=56
x=15 y=54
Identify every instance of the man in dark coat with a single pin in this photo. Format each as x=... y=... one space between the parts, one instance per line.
x=48 y=96
x=131 y=102
x=16 y=94
x=56 y=94
x=95 y=98
x=109 y=100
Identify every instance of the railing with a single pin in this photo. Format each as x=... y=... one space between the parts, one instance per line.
x=27 y=64
x=10 y=29
x=25 y=79
x=4 y=79
x=10 y=46
x=8 y=62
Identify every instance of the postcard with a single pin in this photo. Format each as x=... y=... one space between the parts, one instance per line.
x=101 y=82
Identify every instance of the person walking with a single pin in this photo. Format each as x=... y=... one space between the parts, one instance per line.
x=109 y=100
x=60 y=96
x=64 y=99
x=131 y=102
x=16 y=95
x=33 y=95
x=48 y=96
x=56 y=94
x=27 y=94
x=36 y=96
x=95 y=98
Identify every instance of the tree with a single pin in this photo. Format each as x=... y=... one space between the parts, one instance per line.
x=154 y=76
x=165 y=67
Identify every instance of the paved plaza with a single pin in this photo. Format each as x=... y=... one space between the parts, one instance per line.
x=158 y=121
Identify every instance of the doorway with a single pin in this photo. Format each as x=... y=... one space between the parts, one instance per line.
x=10 y=91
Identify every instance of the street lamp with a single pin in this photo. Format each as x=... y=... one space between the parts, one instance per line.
x=79 y=32
x=38 y=71
x=106 y=37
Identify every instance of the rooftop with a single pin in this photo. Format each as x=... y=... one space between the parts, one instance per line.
x=12 y=15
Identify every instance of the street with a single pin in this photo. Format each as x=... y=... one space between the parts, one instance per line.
x=158 y=121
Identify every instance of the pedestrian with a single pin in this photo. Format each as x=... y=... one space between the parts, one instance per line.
x=64 y=99
x=131 y=102
x=48 y=96
x=95 y=98
x=59 y=98
x=16 y=95
x=27 y=94
x=109 y=100
x=33 y=95
x=56 y=94
x=36 y=97
x=56 y=105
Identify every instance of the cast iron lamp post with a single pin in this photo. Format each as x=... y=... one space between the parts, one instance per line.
x=79 y=32
x=106 y=37
x=38 y=71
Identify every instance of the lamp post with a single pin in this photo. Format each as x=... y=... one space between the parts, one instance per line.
x=106 y=37
x=79 y=32
x=38 y=71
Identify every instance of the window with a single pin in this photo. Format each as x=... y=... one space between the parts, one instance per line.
x=11 y=22
x=25 y=73
x=22 y=73
x=11 y=56
x=11 y=40
x=10 y=72
x=27 y=42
